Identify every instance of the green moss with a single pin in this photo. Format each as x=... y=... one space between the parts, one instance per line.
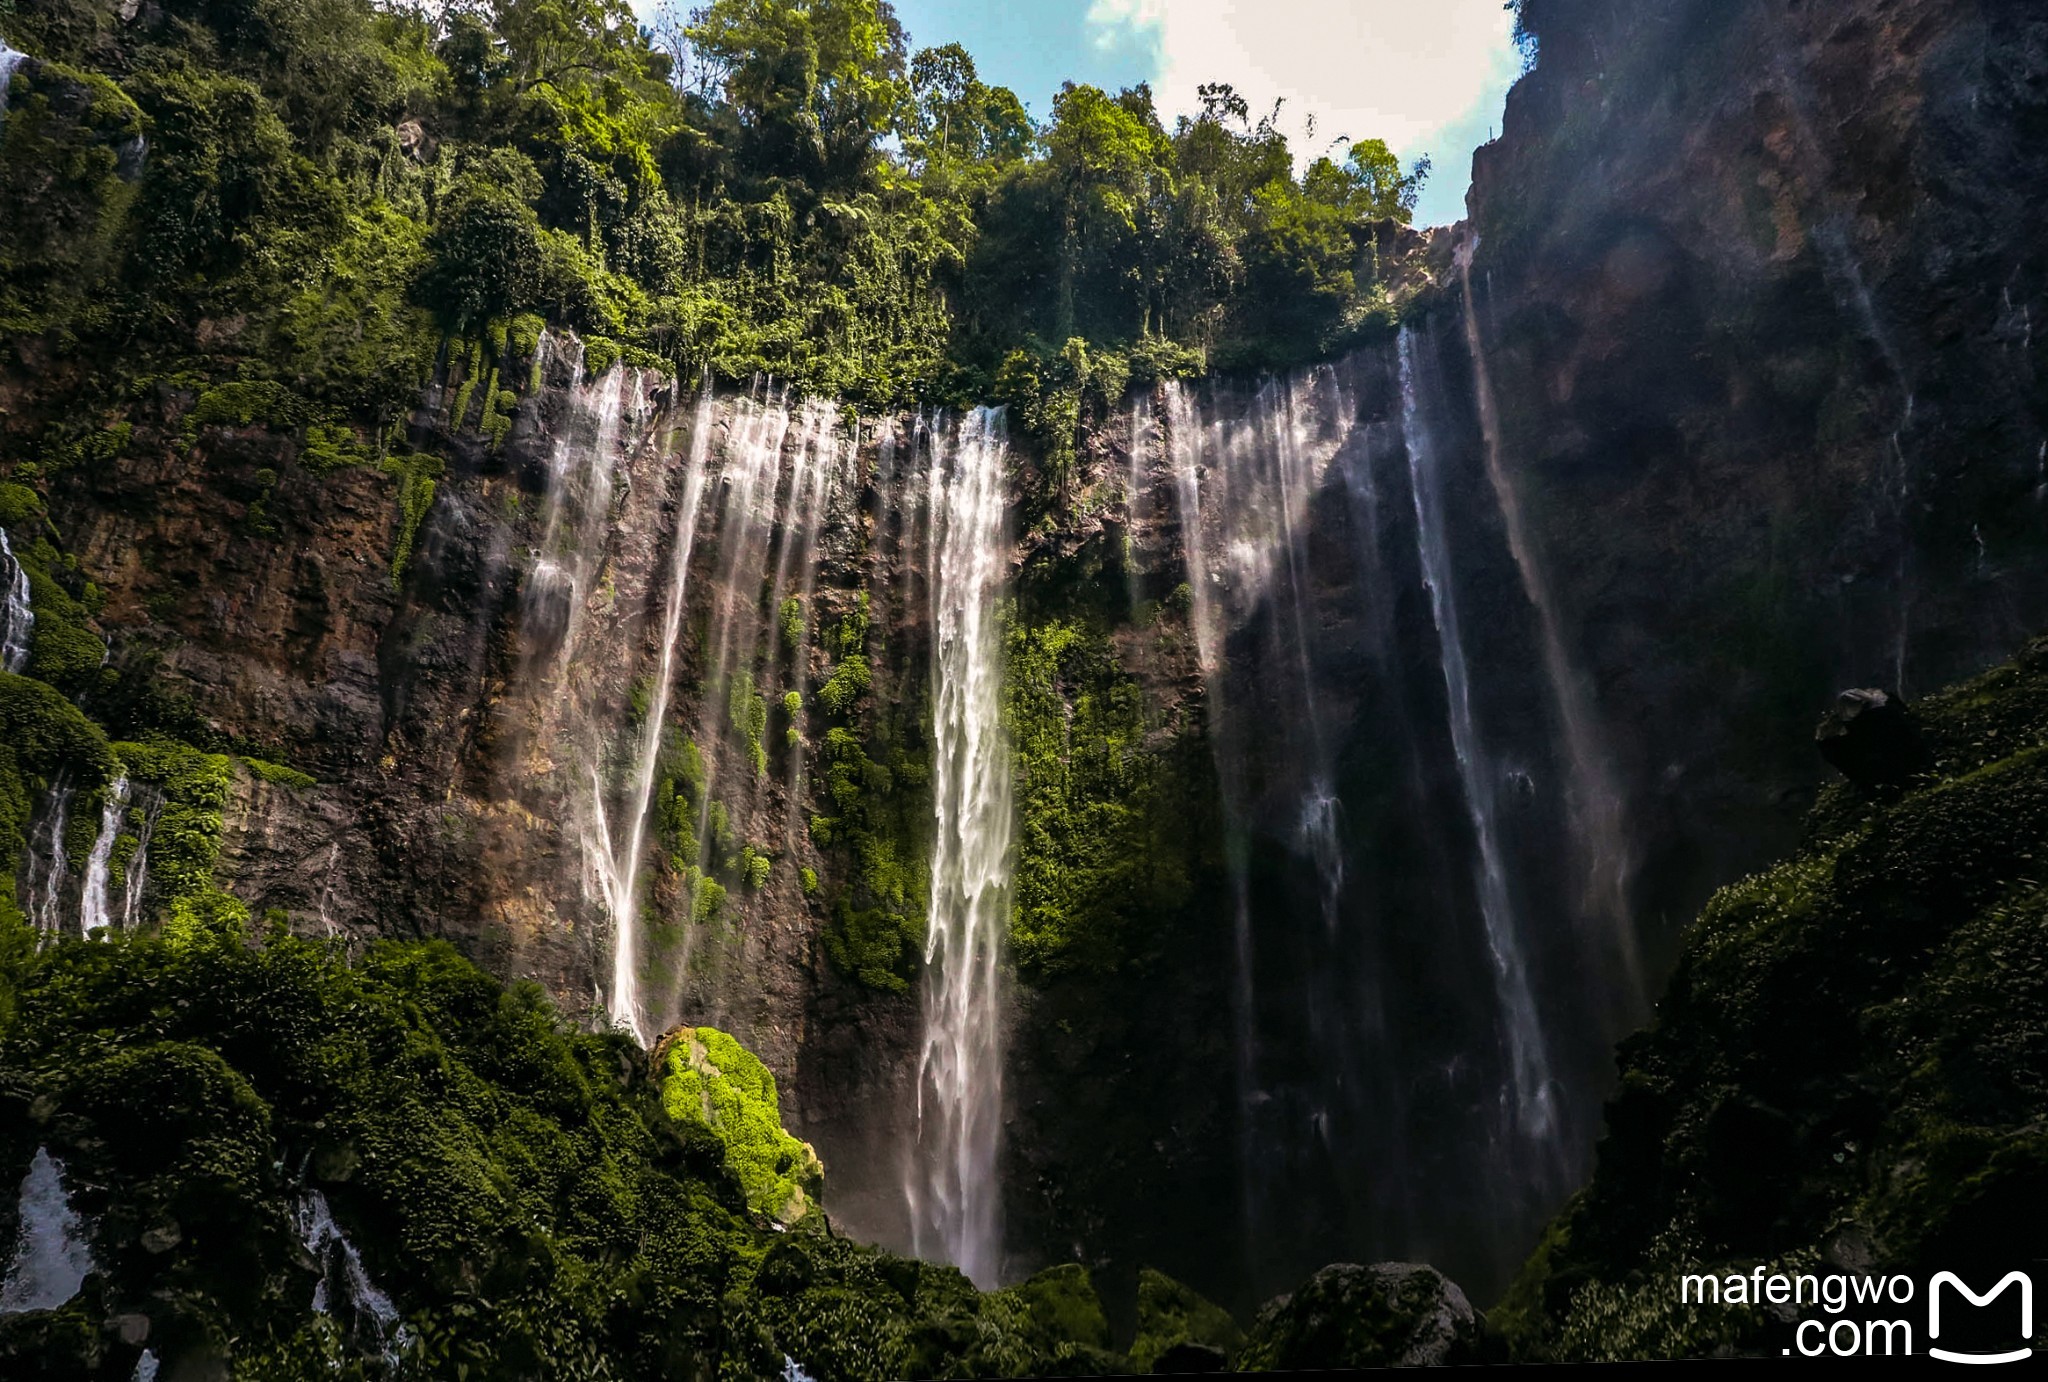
x=754 y=867
x=1104 y=856
x=496 y=422
x=331 y=446
x=416 y=475
x=599 y=355
x=21 y=510
x=707 y=898
x=747 y=709
x=1060 y=1305
x=708 y=1078
x=790 y=620
x=537 y=1200
x=849 y=681
x=525 y=333
x=257 y=403
x=65 y=134
x=63 y=649
x=280 y=774
x=807 y=878
x=1170 y=1313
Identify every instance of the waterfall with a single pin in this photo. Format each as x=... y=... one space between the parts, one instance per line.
x=749 y=480
x=17 y=618
x=1245 y=481
x=1595 y=800
x=1893 y=501
x=808 y=494
x=46 y=869
x=576 y=517
x=51 y=1258
x=327 y=890
x=1144 y=436
x=135 y=879
x=344 y=1282
x=92 y=906
x=620 y=869
x=953 y=1191
x=9 y=60
x=1528 y=1063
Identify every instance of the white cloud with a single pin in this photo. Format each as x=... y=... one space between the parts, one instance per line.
x=1405 y=71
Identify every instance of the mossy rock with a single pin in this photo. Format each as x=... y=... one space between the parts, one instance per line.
x=1394 y=1314
x=709 y=1079
x=1173 y=1316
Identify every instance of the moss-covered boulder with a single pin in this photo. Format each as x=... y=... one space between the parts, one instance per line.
x=1846 y=1073
x=1180 y=1330
x=1393 y=1314
x=709 y=1079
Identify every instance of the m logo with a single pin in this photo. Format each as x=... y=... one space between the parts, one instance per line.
x=2026 y=1286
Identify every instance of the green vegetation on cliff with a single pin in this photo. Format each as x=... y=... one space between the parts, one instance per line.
x=1105 y=856
x=1846 y=1072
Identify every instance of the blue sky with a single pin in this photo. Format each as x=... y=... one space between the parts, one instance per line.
x=1427 y=76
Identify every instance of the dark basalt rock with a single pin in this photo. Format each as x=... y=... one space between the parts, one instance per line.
x=1871 y=739
x=1392 y=1314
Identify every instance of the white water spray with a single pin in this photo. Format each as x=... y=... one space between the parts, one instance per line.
x=1528 y=1062
x=618 y=869
x=136 y=875
x=17 y=617
x=1595 y=799
x=953 y=1191
x=92 y=906
x=345 y=1284
x=46 y=869
x=51 y=1258
x=9 y=60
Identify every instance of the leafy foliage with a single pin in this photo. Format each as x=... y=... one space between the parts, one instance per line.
x=770 y=185
x=1850 y=1053
x=519 y=1189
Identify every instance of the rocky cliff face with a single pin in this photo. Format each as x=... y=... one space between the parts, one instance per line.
x=1757 y=291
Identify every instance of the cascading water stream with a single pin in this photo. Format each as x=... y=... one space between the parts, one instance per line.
x=1144 y=436
x=92 y=907
x=9 y=60
x=135 y=881
x=17 y=616
x=1184 y=449
x=808 y=511
x=1528 y=1061
x=618 y=870
x=345 y=1285
x=51 y=1257
x=953 y=1192
x=575 y=518
x=748 y=481
x=46 y=869
x=1595 y=800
